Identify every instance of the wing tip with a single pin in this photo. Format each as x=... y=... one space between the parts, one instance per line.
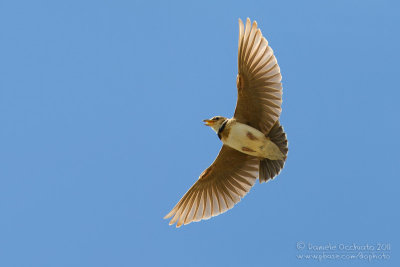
x=171 y=213
x=248 y=21
x=255 y=25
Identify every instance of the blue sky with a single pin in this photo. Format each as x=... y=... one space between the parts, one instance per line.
x=101 y=109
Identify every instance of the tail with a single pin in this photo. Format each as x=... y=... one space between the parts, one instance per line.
x=271 y=168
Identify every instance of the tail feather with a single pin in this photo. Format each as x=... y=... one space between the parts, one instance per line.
x=271 y=168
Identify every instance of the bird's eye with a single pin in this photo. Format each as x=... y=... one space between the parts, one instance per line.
x=215 y=118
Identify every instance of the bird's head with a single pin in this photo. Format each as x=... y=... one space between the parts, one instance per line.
x=215 y=122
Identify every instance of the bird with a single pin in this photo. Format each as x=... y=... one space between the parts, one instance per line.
x=254 y=143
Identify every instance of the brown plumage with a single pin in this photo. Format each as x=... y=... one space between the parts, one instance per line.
x=255 y=128
x=271 y=168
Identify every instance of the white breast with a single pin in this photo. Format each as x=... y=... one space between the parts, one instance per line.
x=246 y=139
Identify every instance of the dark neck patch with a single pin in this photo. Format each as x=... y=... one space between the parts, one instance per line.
x=221 y=128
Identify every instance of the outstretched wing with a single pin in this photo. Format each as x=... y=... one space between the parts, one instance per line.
x=218 y=189
x=259 y=80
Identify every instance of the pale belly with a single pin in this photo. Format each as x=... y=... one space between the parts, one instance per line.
x=251 y=141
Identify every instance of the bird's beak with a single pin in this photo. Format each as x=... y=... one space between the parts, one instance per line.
x=208 y=122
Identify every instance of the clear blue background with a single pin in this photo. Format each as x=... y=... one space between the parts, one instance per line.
x=101 y=133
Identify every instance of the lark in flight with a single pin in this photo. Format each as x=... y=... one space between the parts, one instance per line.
x=254 y=143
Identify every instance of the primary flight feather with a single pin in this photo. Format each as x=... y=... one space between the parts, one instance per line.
x=254 y=143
